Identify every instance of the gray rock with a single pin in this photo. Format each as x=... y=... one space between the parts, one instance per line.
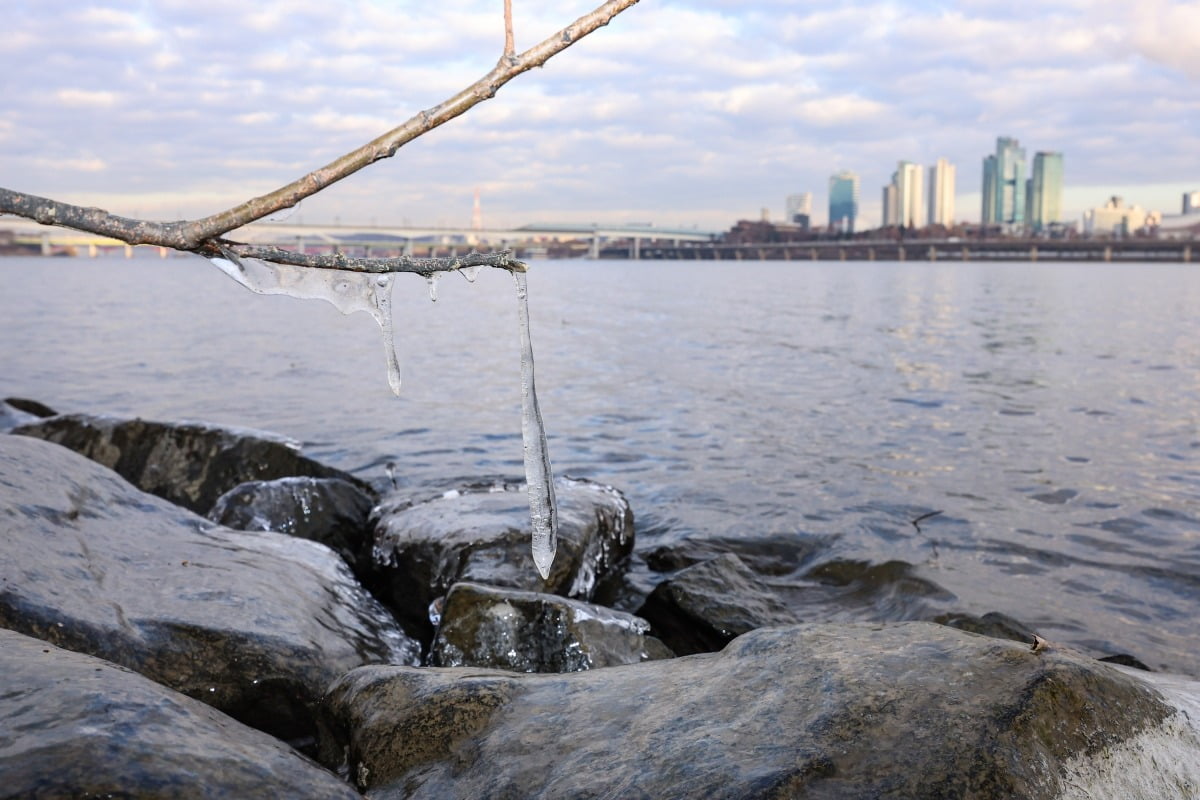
x=766 y=554
x=190 y=464
x=702 y=608
x=76 y=726
x=326 y=510
x=901 y=710
x=256 y=625
x=12 y=416
x=483 y=626
x=481 y=533
x=993 y=623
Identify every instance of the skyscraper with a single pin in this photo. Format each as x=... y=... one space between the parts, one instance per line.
x=891 y=204
x=987 y=214
x=1004 y=184
x=1045 y=190
x=843 y=201
x=799 y=209
x=910 y=195
x=941 y=193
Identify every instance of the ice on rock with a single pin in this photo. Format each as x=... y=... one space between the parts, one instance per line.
x=543 y=510
x=347 y=291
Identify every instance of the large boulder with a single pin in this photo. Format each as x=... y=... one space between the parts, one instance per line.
x=190 y=464
x=76 y=726
x=483 y=626
x=900 y=710
x=331 y=511
x=255 y=624
x=703 y=607
x=480 y=533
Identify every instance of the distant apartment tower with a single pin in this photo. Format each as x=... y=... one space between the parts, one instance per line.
x=1004 y=184
x=910 y=194
x=941 y=193
x=1191 y=202
x=1044 y=201
x=891 y=204
x=843 y=201
x=799 y=209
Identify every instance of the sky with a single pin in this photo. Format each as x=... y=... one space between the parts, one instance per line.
x=678 y=113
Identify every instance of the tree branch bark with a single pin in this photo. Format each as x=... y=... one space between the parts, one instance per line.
x=201 y=235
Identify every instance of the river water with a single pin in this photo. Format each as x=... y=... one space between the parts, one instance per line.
x=1050 y=413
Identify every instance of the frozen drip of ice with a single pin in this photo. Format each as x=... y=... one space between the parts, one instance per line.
x=348 y=291
x=543 y=511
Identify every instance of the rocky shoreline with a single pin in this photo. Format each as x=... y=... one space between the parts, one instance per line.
x=194 y=611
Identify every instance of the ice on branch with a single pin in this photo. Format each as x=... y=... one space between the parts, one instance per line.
x=347 y=291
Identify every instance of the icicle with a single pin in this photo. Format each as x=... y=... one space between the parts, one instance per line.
x=543 y=511
x=348 y=291
x=432 y=280
x=470 y=273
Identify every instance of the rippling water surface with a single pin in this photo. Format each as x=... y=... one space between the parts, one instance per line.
x=1050 y=413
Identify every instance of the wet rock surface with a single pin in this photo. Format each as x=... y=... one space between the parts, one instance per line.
x=76 y=726
x=15 y=412
x=190 y=464
x=480 y=533
x=902 y=710
x=256 y=625
x=331 y=511
x=483 y=626
x=703 y=607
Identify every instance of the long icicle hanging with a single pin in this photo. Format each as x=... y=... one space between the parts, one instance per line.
x=543 y=510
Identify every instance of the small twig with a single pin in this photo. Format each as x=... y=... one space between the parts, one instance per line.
x=922 y=518
x=509 y=46
x=916 y=524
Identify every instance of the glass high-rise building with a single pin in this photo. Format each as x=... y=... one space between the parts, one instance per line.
x=1004 y=184
x=1045 y=190
x=843 y=201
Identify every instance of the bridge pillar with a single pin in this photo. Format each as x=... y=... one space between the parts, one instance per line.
x=870 y=254
x=637 y=248
x=47 y=251
x=408 y=247
x=1033 y=253
x=1108 y=252
x=300 y=245
x=900 y=253
x=841 y=254
x=965 y=255
x=812 y=253
x=1187 y=253
x=594 y=247
x=932 y=253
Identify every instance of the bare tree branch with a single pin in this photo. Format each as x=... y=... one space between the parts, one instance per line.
x=422 y=266
x=200 y=235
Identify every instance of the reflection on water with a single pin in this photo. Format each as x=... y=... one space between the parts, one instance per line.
x=1049 y=412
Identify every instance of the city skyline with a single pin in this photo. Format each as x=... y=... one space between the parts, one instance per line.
x=140 y=109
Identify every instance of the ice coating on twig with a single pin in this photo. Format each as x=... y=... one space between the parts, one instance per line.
x=348 y=291
x=543 y=511
x=470 y=273
x=432 y=279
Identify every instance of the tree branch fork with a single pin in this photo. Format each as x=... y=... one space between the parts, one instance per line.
x=205 y=236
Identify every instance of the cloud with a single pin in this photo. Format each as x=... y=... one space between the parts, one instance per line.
x=705 y=110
